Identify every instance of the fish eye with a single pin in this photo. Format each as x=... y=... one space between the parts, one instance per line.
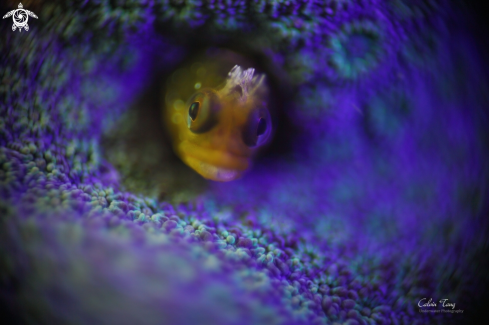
x=193 y=110
x=262 y=126
x=202 y=111
x=258 y=128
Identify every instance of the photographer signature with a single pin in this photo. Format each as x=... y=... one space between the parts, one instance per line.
x=431 y=303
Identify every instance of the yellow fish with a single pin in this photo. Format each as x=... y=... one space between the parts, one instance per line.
x=216 y=115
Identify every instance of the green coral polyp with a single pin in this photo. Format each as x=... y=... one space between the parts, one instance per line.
x=356 y=49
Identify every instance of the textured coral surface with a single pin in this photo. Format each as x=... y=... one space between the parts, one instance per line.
x=370 y=198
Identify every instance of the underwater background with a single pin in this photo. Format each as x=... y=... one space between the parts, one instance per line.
x=372 y=196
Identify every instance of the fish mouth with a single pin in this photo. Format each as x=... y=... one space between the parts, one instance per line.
x=216 y=165
x=211 y=172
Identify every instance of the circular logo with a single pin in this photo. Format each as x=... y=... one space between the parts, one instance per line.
x=20 y=18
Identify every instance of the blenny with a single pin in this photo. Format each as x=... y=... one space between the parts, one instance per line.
x=215 y=111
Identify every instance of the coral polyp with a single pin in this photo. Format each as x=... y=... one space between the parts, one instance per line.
x=356 y=49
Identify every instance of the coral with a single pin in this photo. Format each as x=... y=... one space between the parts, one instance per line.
x=377 y=204
x=357 y=48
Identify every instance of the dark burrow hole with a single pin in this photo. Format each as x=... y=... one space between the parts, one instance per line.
x=139 y=149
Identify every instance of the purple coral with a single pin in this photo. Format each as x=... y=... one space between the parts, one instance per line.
x=378 y=204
